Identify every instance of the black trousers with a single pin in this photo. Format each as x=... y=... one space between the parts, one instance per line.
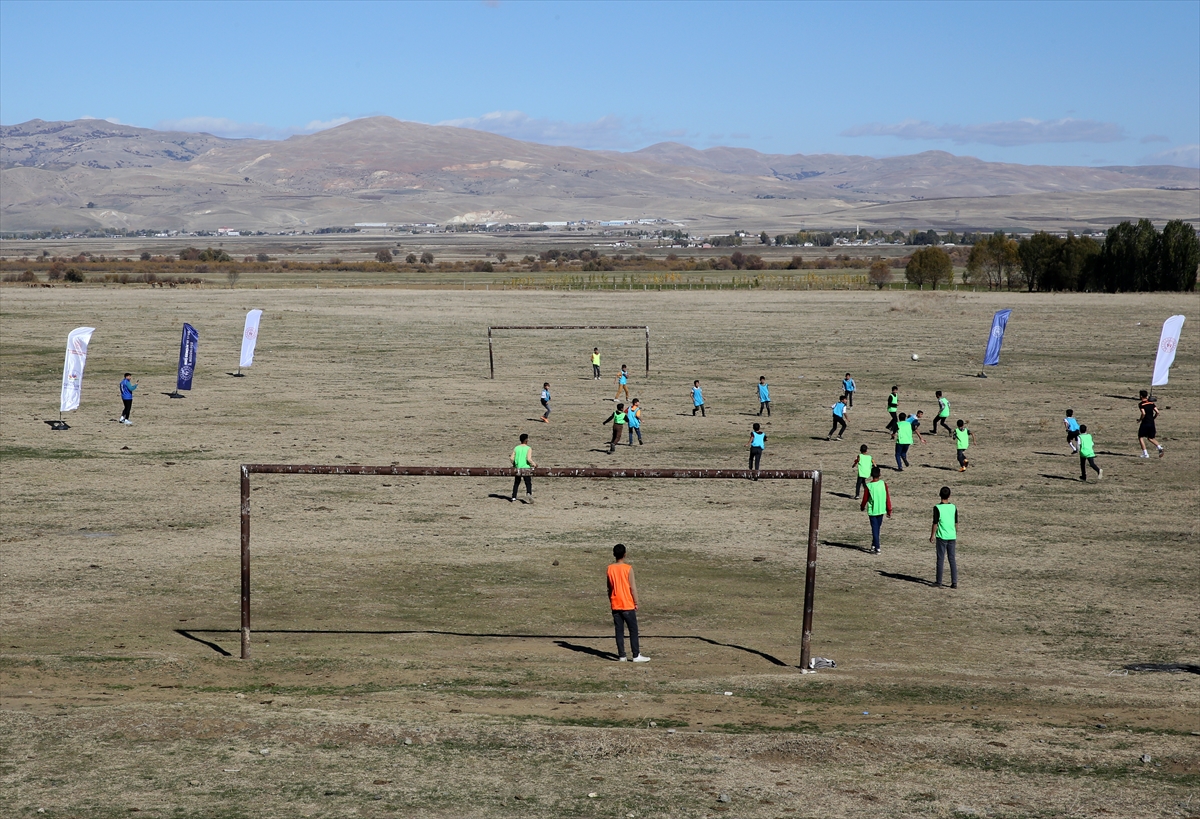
x=755 y=457
x=128 y=402
x=836 y=421
x=620 y=620
x=893 y=424
x=941 y=419
x=528 y=484
x=858 y=485
x=850 y=398
x=595 y=371
x=763 y=405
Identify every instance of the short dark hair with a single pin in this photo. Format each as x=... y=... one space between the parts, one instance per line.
x=944 y=492
x=895 y=386
x=902 y=416
x=961 y=422
x=938 y=393
x=546 y=384
x=621 y=406
x=862 y=448
x=1083 y=427
x=757 y=427
x=875 y=473
x=524 y=437
x=619 y=551
x=128 y=374
x=1070 y=412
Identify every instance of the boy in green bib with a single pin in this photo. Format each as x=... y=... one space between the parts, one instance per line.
x=945 y=535
x=522 y=460
x=962 y=440
x=618 y=419
x=878 y=502
x=1087 y=454
x=943 y=415
x=904 y=439
x=863 y=462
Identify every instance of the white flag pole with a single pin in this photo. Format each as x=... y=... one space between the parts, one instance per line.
x=249 y=340
x=1168 y=342
x=72 y=380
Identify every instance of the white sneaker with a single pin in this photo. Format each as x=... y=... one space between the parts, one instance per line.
x=128 y=423
x=1100 y=474
x=641 y=659
x=1144 y=454
x=622 y=659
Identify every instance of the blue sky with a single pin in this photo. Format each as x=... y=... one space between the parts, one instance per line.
x=1035 y=83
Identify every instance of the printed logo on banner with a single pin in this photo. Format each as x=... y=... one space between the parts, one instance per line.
x=1168 y=344
x=251 y=332
x=997 y=331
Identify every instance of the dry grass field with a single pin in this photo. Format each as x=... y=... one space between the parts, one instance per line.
x=423 y=647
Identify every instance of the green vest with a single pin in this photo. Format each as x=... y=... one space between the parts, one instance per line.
x=946 y=526
x=904 y=433
x=520 y=457
x=893 y=402
x=876 y=498
x=864 y=465
x=962 y=438
x=945 y=413
x=618 y=418
x=1086 y=448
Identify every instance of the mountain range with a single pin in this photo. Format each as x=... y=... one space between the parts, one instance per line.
x=88 y=174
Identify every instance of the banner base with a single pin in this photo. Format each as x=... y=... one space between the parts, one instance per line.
x=236 y=375
x=58 y=425
x=175 y=395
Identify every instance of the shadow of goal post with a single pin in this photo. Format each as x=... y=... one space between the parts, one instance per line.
x=812 y=475
x=492 y=360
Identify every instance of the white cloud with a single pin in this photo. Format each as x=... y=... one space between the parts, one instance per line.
x=1007 y=134
x=113 y=120
x=609 y=132
x=1186 y=155
x=1154 y=138
x=232 y=129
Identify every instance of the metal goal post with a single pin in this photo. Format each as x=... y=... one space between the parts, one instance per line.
x=492 y=361
x=814 y=508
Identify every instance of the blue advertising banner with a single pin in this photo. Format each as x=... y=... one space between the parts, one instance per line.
x=999 y=321
x=187 y=357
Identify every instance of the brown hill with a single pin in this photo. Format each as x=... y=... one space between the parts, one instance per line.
x=382 y=170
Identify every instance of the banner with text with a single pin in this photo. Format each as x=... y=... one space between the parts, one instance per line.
x=999 y=321
x=250 y=338
x=187 y=357
x=77 y=344
x=1167 y=343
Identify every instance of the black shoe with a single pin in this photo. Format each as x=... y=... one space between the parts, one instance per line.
x=954 y=585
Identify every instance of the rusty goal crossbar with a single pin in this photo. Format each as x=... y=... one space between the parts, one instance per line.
x=814 y=509
x=492 y=360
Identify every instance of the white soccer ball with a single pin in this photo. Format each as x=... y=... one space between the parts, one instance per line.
x=916 y=357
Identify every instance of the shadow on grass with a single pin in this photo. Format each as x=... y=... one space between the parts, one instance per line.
x=849 y=546
x=841 y=495
x=943 y=468
x=558 y=639
x=1053 y=454
x=908 y=578
x=594 y=652
x=1172 y=668
x=1121 y=397
x=1115 y=454
x=1058 y=477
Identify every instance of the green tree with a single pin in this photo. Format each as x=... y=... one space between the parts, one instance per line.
x=383 y=255
x=426 y=258
x=929 y=265
x=1038 y=254
x=993 y=261
x=1130 y=258
x=1179 y=256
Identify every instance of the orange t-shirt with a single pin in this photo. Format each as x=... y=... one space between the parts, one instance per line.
x=619 y=592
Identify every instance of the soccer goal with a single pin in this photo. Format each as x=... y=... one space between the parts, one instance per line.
x=492 y=360
x=814 y=507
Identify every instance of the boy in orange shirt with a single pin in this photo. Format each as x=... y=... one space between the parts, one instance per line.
x=622 y=596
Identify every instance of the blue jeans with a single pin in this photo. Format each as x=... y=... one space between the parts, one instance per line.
x=876 y=523
x=901 y=456
x=945 y=549
x=633 y=430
